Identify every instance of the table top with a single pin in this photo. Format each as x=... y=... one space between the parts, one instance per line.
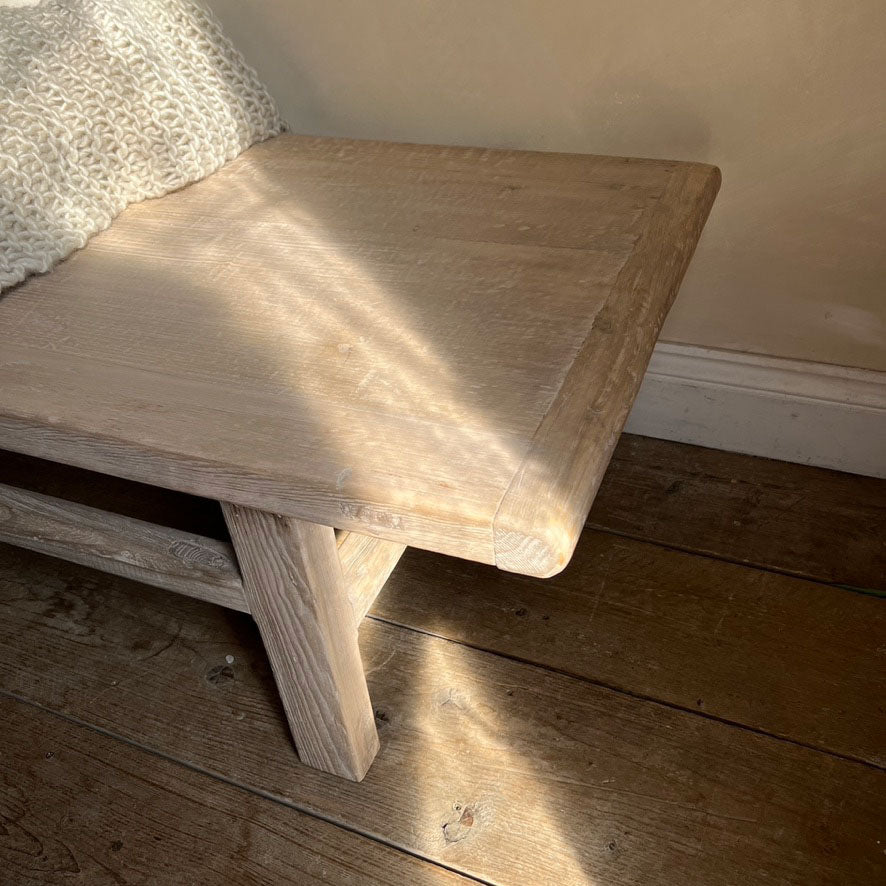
x=429 y=344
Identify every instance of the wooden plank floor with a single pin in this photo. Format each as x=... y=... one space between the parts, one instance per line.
x=79 y=806
x=806 y=521
x=656 y=714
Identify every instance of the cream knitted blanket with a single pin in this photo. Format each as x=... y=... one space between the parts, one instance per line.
x=107 y=102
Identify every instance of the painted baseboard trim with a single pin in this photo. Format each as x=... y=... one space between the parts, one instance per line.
x=811 y=413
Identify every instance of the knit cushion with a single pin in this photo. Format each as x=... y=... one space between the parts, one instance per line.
x=107 y=102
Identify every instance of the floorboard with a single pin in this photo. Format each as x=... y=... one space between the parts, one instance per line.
x=807 y=521
x=79 y=807
x=493 y=767
x=776 y=653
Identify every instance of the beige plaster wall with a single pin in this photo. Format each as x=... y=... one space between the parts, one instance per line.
x=786 y=96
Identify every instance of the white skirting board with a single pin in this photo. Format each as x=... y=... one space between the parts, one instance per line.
x=811 y=413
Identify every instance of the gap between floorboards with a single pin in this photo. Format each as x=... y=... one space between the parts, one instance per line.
x=629 y=693
x=266 y=795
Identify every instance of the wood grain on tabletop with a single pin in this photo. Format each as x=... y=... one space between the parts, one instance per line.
x=542 y=514
x=362 y=334
x=500 y=769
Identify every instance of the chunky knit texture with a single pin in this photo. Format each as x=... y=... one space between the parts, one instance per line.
x=107 y=102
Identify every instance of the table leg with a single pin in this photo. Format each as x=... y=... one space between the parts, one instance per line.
x=292 y=579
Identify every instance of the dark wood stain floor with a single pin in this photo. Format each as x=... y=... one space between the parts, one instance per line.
x=698 y=699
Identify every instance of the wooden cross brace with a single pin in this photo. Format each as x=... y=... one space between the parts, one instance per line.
x=306 y=586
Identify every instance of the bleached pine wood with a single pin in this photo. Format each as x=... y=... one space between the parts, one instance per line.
x=542 y=514
x=156 y=555
x=392 y=339
x=294 y=587
x=366 y=563
x=168 y=558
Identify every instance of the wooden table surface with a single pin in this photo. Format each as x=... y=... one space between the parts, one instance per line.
x=433 y=345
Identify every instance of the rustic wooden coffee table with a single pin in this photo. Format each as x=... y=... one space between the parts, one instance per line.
x=415 y=345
